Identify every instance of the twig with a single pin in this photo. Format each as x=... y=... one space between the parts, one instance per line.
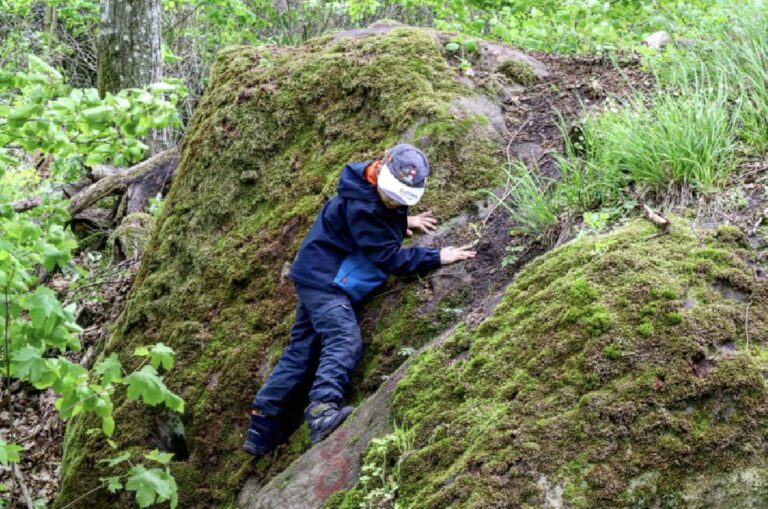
x=746 y=324
x=695 y=222
x=657 y=219
x=8 y=369
x=514 y=135
x=87 y=493
x=24 y=490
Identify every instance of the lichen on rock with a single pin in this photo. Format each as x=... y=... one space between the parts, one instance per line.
x=614 y=373
x=262 y=153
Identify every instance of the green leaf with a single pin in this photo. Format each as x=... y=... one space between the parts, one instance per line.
x=159 y=88
x=161 y=457
x=9 y=453
x=29 y=364
x=44 y=309
x=53 y=256
x=8 y=160
x=146 y=384
x=64 y=104
x=109 y=369
x=113 y=483
x=22 y=113
x=161 y=354
x=149 y=485
x=141 y=351
x=98 y=115
x=174 y=402
x=111 y=462
x=452 y=46
x=108 y=426
x=38 y=65
x=470 y=45
x=98 y=154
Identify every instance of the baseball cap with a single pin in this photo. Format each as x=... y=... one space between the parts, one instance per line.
x=403 y=175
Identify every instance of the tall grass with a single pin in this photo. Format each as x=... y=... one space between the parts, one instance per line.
x=528 y=199
x=708 y=110
x=682 y=138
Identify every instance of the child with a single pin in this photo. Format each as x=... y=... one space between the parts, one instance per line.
x=351 y=248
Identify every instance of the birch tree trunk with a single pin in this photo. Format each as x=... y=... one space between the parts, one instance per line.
x=130 y=51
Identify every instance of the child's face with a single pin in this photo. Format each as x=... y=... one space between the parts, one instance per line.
x=388 y=202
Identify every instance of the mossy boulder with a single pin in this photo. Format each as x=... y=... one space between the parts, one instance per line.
x=621 y=370
x=262 y=153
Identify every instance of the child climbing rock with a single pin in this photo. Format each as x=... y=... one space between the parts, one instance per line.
x=352 y=247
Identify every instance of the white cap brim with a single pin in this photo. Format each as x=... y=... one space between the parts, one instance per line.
x=401 y=193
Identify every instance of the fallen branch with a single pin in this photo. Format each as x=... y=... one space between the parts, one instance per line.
x=23 y=486
x=662 y=222
x=26 y=204
x=102 y=171
x=156 y=169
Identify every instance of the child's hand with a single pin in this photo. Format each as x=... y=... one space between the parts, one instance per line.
x=456 y=254
x=425 y=222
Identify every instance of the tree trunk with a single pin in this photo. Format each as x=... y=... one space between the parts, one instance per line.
x=130 y=52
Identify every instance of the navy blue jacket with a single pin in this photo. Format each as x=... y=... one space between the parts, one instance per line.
x=354 y=243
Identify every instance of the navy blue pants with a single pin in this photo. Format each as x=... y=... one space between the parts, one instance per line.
x=325 y=348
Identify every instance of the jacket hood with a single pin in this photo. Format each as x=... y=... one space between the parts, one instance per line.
x=352 y=183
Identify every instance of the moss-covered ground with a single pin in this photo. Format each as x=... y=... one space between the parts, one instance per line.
x=622 y=370
x=261 y=155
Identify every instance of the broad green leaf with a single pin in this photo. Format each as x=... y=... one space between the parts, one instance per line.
x=161 y=354
x=147 y=385
x=149 y=485
x=109 y=369
x=29 y=232
x=141 y=351
x=9 y=453
x=98 y=115
x=29 y=364
x=53 y=256
x=158 y=88
x=6 y=159
x=111 y=462
x=108 y=426
x=22 y=113
x=161 y=457
x=174 y=402
x=44 y=309
x=38 y=65
x=113 y=483
x=452 y=46
x=64 y=103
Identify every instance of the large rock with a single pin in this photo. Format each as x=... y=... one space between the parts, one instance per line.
x=623 y=370
x=261 y=155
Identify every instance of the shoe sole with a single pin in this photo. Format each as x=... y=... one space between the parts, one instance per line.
x=255 y=450
x=343 y=414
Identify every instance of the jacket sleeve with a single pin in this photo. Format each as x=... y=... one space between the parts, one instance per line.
x=381 y=245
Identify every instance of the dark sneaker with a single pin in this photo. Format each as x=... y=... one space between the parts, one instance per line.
x=323 y=418
x=264 y=435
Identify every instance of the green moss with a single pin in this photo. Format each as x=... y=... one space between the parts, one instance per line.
x=640 y=415
x=645 y=329
x=261 y=154
x=730 y=234
x=612 y=352
x=517 y=71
